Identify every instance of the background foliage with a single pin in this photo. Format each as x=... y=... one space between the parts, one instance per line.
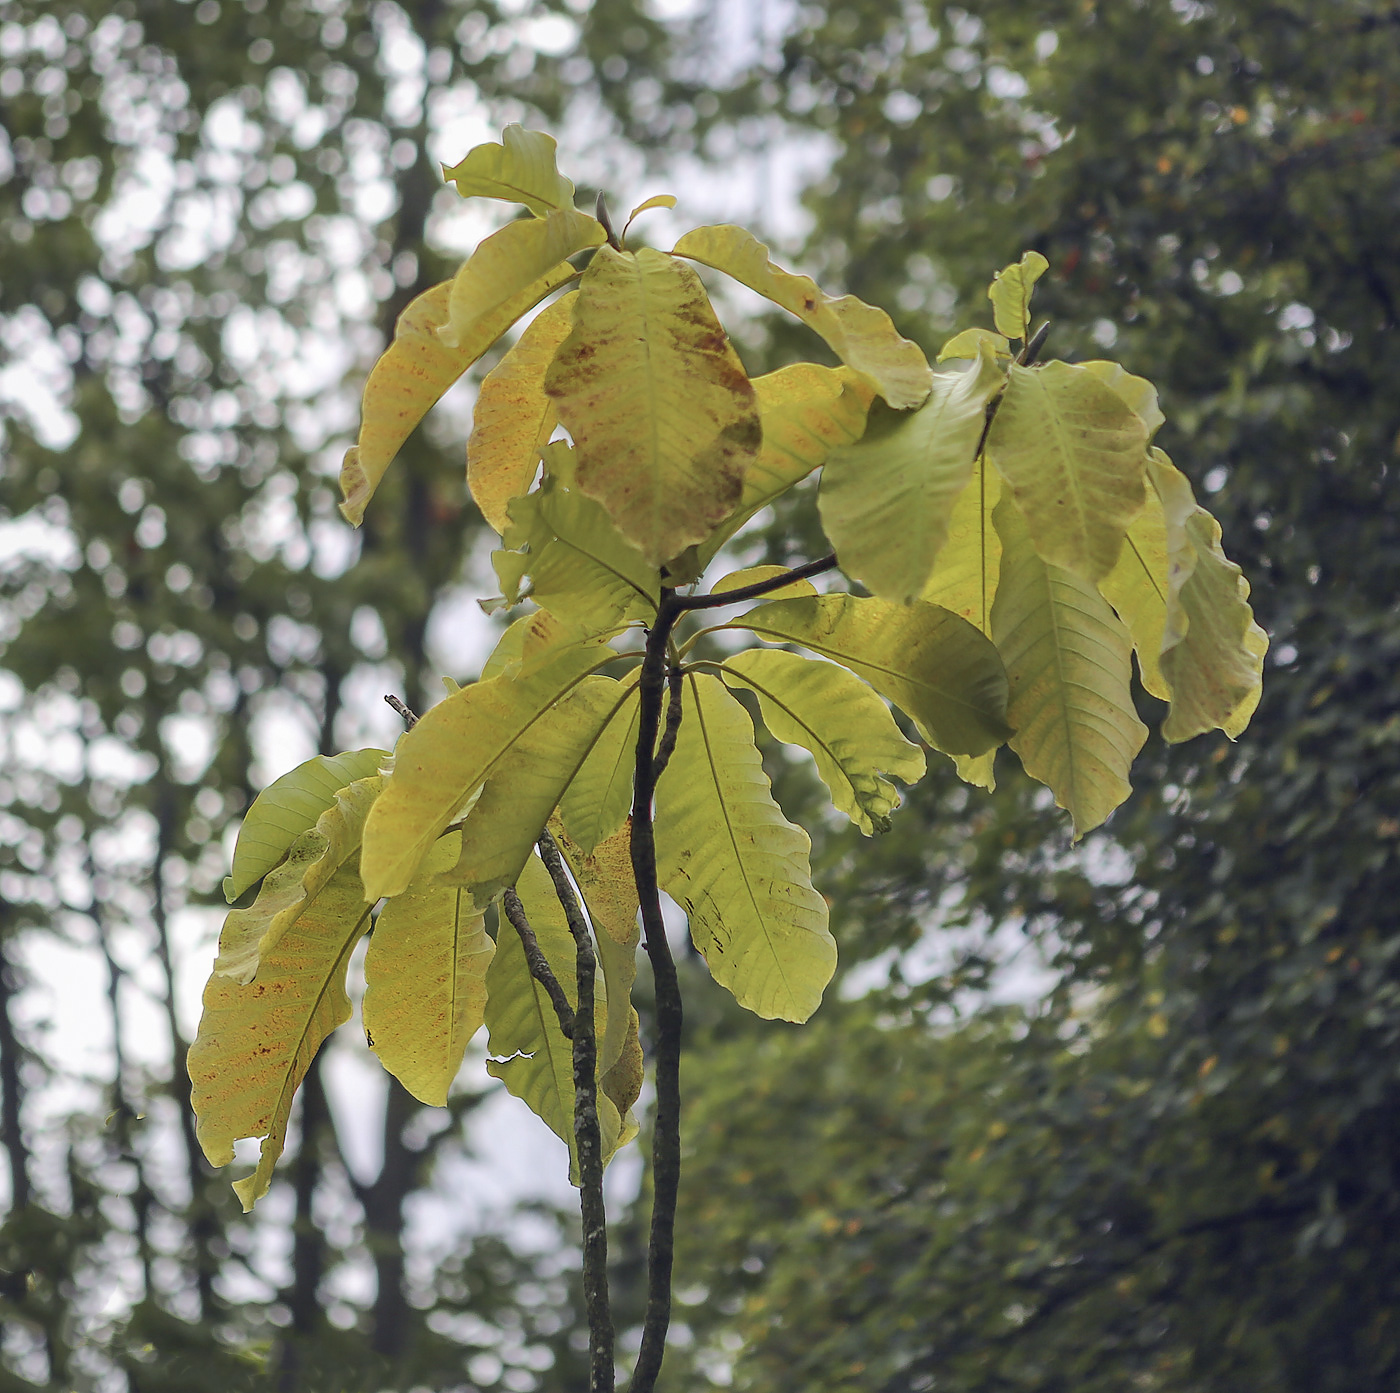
x=1175 y=1165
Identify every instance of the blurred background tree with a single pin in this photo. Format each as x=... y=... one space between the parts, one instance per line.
x=1074 y=1118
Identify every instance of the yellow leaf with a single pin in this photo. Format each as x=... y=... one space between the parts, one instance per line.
x=512 y=270
x=425 y=979
x=257 y=1040
x=289 y=806
x=595 y=804
x=452 y=751
x=1072 y=453
x=292 y=888
x=531 y=1056
x=521 y=169
x=863 y=337
x=1010 y=294
x=887 y=500
x=1213 y=651
x=964 y=577
x=806 y=412
x=662 y=415
x=1137 y=588
x=513 y=418
x=413 y=372
x=1068 y=661
x=525 y=786
x=1137 y=393
x=931 y=664
x=846 y=728
x=968 y=344
x=660 y=200
x=738 y=868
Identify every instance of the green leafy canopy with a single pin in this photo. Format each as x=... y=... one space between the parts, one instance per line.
x=1018 y=539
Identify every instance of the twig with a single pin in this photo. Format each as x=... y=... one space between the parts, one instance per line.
x=673 y=724
x=683 y=603
x=540 y=969
x=409 y=719
x=588 y=1139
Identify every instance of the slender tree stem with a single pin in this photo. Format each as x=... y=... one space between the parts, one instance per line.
x=540 y=969
x=683 y=603
x=588 y=1138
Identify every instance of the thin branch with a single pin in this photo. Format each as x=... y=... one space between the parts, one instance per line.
x=588 y=1138
x=683 y=603
x=673 y=724
x=407 y=716
x=666 y=1137
x=540 y=969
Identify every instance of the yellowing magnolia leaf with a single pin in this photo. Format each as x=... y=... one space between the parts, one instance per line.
x=425 y=979
x=806 y=412
x=1068 y=661
x=413 y=372
x=1137 y=393
x=609 y=892
x=525 y=786
x=969 y=343
x=662 y=415
x=1072 y=452
x=521 y=169
x=833 y=715
x=451 y=752
x=1137 y=588
x=862 y=336
x=964 y=577
x=512 y=270
x=738 y=868
x=754 y=575
x=289 y=806
x=1010 y=294
x=926 y=660
x=1214 y=651
x=659 y=200
x=530 y=643
x=513 y=418
x=886 y=501
x=531 y=1056
x=288 y=892
x=581 y=567
x=596 y=803
x=257 y=1040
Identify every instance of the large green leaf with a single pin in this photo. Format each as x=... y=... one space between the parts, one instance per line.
x=521 y=169
x=662 y=414
x=806 y=412
x=1072 y=452
x=257 y=1040
x=926 y=660
x=580 y=566
x=425 y=979
x=504 y=275
x=513 y=418
x=862 y=336
x=886 y=501
x=530 y=1054
x=525 y=787
x=1010 y=294
x=738 y=868
x=1136 y=393
x=1068 y=659
x=1137 y=588
x=409 y=378
x=596 y=803
x=965 y=575
x=292 y=887
x=833 y=715
x=1213 y=654
x=453 y=750
x=289 y=806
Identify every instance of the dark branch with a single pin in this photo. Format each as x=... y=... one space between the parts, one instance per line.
x=673 y=725
x=682 y=603
x=409 y=719
x=540 y=969
x=666 y=1129
x=588 y=1139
